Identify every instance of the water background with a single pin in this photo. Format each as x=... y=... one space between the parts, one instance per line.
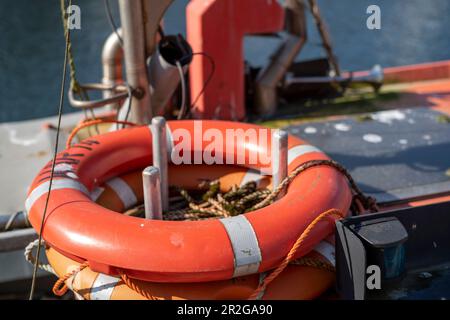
x=32 y=43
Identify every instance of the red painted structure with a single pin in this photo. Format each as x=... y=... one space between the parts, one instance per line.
x=217 y=27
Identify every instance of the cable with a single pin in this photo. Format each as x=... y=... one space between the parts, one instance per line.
x=161 y=32
x=213 y=69
x=130 y=100
x=55 y=153
x=183 y=91
x=111 y=21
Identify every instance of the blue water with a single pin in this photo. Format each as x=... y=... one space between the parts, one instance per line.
x=32 y=43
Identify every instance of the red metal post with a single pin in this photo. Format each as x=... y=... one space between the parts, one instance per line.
x=217 y=28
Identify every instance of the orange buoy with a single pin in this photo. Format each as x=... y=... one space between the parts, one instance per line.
x=310 y=281
x=296 y=282
x=181 y=251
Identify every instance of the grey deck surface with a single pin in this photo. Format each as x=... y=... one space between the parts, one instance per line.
x=25 y=147
x=397 y=154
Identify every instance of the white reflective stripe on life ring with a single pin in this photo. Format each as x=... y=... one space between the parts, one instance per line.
x=56 y=185
x=246 y=251
x=299 y=151
x=123 y=191
x=103 y=287
x=327 y=251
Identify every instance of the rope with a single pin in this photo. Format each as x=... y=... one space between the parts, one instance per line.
x=233 y=202
x=135 y=287
x=290 y=256
x=289 y=259
x=60 y=107
x=74 y=84
x=91 y=123
x=60 y=287
x=324 y=35
x=32 y=260
x=248 y=198
x=313 y=263
x=367 y=202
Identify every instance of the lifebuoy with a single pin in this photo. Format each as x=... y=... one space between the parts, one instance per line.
x=296 y=282
x=178 y=251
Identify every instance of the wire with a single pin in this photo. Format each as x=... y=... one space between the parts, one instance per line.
x=183 y=91
x=207 y=81
x=111 y=21
x=55 y=153
x=161 y=31
x=130 y=100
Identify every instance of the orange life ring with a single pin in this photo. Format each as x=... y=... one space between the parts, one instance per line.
x=297 y=281
x=179 y=251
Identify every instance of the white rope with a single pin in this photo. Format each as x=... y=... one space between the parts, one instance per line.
x=31 y=259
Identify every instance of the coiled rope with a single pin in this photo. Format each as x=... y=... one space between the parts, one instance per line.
x=248 y=198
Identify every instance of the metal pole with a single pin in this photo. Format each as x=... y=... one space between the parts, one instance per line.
x=112 y=56
x=266 y=98
x=152 y=193
x=324 y=35
x=131 y=17
x=153 y=11
x=279 y=157
x=160 y=158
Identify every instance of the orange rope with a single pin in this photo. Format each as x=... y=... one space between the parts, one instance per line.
x=133 y=286
x=91 y=123
x=290 y=256
x=60 y=286
x=262 y=287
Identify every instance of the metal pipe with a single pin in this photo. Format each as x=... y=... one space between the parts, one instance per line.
x=160 y=157
x=324 y=35
x=17 y=220
x=152 y=193
x=16 y=239
x=270 y=77
x=120 y=93
x=112 y=55
x=374 y=76
x=131 y=17
x=163 y=72
x=279 y=157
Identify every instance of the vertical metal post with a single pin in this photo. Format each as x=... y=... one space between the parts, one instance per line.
x=131 y=17
x=279 y=157
x=112 y=56
x=160 y=158
x=152 y=193
x=266 y=98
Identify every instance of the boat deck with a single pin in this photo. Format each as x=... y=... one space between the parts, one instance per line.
x=393 y=154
